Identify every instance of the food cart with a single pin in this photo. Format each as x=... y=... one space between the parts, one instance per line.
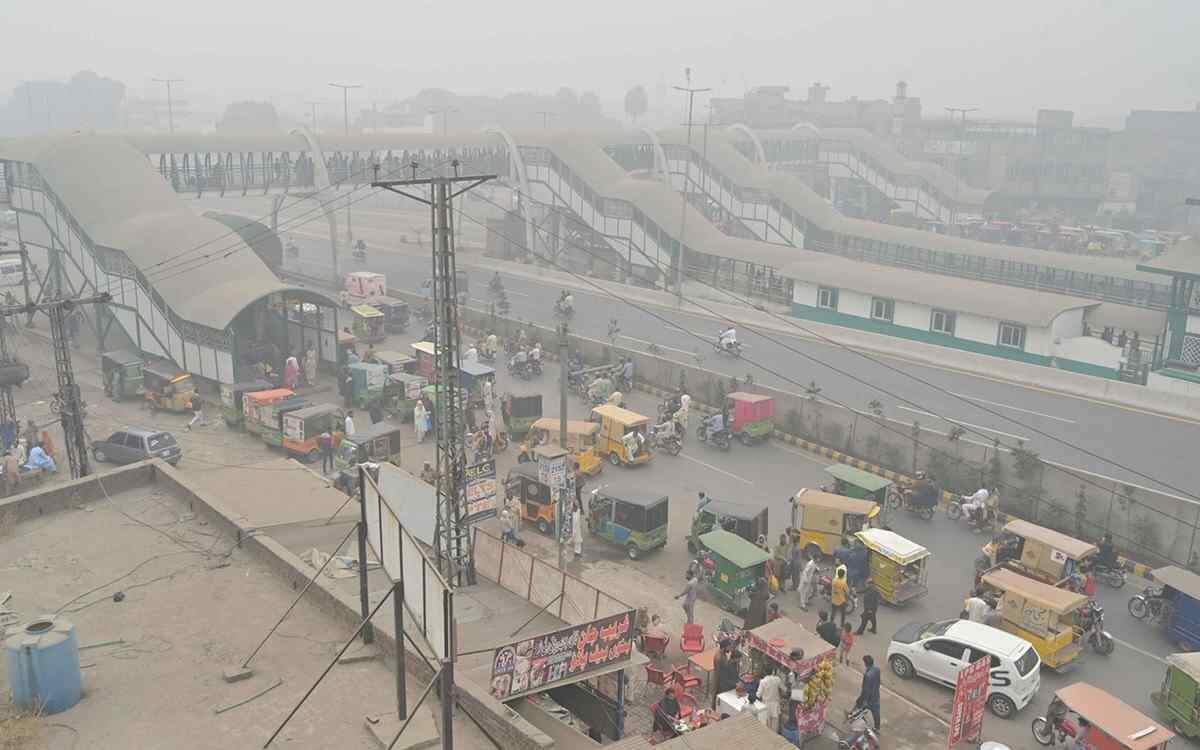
x=426 y=356
x=821 y=520
x=622 y=436
x=270 y=427
x=122 y=372
x=859 y=484
x=752 y=415
x=231 y=399
x=899 y=568
x=806 y=661
x=581 y=442
x=365 y=284
x=167 y=388
x=520 y=414
x=1037 y=552
x=732 y=566
x=301 y=427
x=367 y=323
x=258 y=407
x=1042 y=614
x=1112 y=723
x=366 y=383
x=1179 y=697
x=745 y=520
x=629 y=518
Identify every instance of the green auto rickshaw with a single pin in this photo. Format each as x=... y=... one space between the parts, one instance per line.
x=1179 y=697
x=367 y=382
x=378 y=443
x=520 y=412
x=122 y=371
x=631 y=519
x=856 y=483
x=745 y=520
x=731 y=566
x=231 y=399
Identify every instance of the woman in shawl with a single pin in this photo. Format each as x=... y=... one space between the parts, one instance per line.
x=291 y=372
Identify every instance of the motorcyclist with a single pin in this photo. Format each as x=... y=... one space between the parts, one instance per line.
x=360 y=249
x=491 y=344
x=923 y=492
x=599 y=388
x=1108 y=553
x=974 y=505
x=519 y=361
x=728 y=338
x=535 y=356
x=566 y=303
x=496 y=284
x=714 y=425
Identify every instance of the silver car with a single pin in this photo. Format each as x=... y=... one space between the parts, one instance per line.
x=136 y=445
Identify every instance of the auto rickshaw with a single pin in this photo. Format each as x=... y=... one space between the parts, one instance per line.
x=622 y=436
x=520 y=414
x=752 y=415
x=821 y=520
x=860 y=484
x=395 y=362
x=471 y=377
x=1037 y=552
x=378 y=443
x=426 y=356
x=539 y=504
x=1042 y=614
x=581 y=442
x=366 y=383
x=899 y=567
x=122 y=371
x=259 y=408
x=1178 y=592
x=301 y=428
x=745 y=520
x=167 y=387
x=231 y=399
x=346 y=343
x=1179 y=697
x=367 y=323
x=731 y=566
x=1104 y=722
x=628 y=518
x=400 y=394
x=395 y=313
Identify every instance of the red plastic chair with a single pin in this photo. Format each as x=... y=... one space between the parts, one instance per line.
x=655 y=646
x=692 y=640
x=684 y=677
x=656 y=676
x=687 y=702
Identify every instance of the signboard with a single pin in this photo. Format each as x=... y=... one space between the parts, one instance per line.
x=532 y=664
x=1058 y=556
x=970 y=697
x=552 y=472
x=481 y=491
x=293 y=427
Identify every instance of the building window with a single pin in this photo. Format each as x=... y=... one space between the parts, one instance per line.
x=1012 y=336
x=827 y=298
x=942 y=321
x=882 y=309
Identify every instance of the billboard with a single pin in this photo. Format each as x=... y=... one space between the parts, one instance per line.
x=535 y=663
x=481 y=491
x=970 y=697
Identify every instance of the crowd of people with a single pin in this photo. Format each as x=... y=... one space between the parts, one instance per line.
x=26 y=451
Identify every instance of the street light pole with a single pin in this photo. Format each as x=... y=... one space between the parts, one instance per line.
x=170 y=110
x=687 y=170
x=313 y=106
x=345 y=87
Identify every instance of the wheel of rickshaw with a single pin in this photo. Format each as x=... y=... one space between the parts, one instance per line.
x=614 y=459
x=543 y=526
x=745 y=438
x=631 y=551
x=312 y=456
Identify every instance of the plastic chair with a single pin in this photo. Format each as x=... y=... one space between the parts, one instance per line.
x=655 y=646
x=684 y=677
x=688 y=704
x=656 y=676
x=692 y=640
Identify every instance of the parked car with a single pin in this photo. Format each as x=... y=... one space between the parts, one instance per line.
x=938 y=650
x=135 y=445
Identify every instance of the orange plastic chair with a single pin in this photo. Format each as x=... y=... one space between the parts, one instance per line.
x=657 y=676
x=684 y=677
x=692 y=640
x=655 y=647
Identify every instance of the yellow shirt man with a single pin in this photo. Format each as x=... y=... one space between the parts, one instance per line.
x=837 y=591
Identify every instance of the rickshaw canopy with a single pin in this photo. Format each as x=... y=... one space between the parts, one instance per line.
x=1054 y=598
x=851 y=505
x=733 y=548
x=857 y=477
x=367 y=311
x=378 y=430
x=1124 y=723
x=1188 y=663
x=574 y=426
x=1068 y=545
x=275 y=394
x=1183 y=581
x=749 y=398
x=620 y=416
x=122 y=357
x=424 y=347
x=165 y=370
x=395 y=361
x=892 y=546
x=476 y=370
x=728 y=509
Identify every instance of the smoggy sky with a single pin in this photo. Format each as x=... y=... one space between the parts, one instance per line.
x=1098 y=57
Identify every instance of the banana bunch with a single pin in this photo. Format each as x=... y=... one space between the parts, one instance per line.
x=820 y=686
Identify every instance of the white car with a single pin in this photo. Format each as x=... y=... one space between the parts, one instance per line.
x=938 y=650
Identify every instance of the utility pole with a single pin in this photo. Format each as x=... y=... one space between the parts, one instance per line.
x=563 y=379
x=452 y=536
x=691 y=92
x=313 y=106
x=170 y=109
x=12 y=370
x=546 y=118
x=346 y=87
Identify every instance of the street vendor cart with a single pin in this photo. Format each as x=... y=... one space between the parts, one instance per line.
x=731 y=567
x=899 y=568
x=805 y=663
x=260 y=408
x=751 y=415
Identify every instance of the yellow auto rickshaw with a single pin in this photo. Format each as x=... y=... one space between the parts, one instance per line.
x=899 y=567
x=622 y=436
x=1037 y=552
x=1042 y=614
x=821 y=520
x=581 y=442
x=167 y=387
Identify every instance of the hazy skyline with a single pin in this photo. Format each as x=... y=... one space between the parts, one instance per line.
x=1007 y=58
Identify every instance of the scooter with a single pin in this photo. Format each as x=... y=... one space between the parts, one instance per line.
x=1091 y=621
x=862 y=734
x=722 y=439
x=521 y=369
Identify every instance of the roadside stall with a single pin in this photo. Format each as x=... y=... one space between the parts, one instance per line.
x=731 y=566
x=259 y=407
x=859 y=484
x=1042 y=614
x=581 y=442
x=820 y=520
x=1179 y=697
x=746 y=520
x=1180 y=591
x=1112 y=724
x=622 y=437
x=122 y=372
x=629 y=518
x=302 y=427
x=899 y=568
x=1037 y=552
x=520 y=414
x=366 y=322
x=426 y=356
x=167 y=388
x=752 y=415
x=367 y=382
x=231 y=399
x=805 y=662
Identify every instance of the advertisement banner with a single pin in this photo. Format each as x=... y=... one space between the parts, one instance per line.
x=970 y=698
x=481 y=491
x=530 y=665
x=552 y=472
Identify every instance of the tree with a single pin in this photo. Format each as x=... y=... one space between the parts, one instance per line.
x=249 y=117
x=636 y=102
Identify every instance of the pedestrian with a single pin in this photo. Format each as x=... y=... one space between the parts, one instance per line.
x=310 y=366
x=727 y=665
x=420 y=420
x=869 y=694
x=870 y=602
x=506 y=520
x=197 y=412
x=12 y=473
x=31 y=433
x=770 y=689
x=839 y=591
x=577 y=529
x=291 y=373
x=795 y=562
x=756 y=615
x=349 y=423
x=346 y=386
x=808 y=581
x=846 y=644
x=976 y=607
x=782 y=558
x=691 y=588
x=325 y=443
x=827 y=630
x=1121 y=340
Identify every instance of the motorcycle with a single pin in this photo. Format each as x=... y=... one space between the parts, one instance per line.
x=564 y=312
x=1149 y=603
x=721 y=439
x=360 y=251
x=862 y=733
x=1114 y=577
x=1054 y=728
x=1091 y=621
x=669 y=442
x=902 y=500
x=825 y=589
x=733 y=348
x=989 y=522
x=535 y=367
x=519 y=369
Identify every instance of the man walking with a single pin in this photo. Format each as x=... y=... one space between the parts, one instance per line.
x=348 y=425
x=869 y=695
x=197 y=412
x=870 y=607
x=690 y=591
x=808 y=581
x=325 y=443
